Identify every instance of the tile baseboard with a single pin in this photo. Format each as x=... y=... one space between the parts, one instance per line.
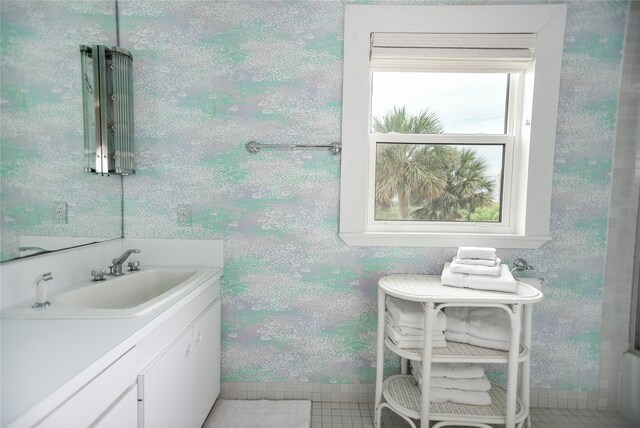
x=365 y=392
x=340 y=393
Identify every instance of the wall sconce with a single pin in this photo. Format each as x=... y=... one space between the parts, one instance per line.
x=107 y=100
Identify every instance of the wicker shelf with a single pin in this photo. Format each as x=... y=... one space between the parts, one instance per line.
x=403 y=394
x=458 y=352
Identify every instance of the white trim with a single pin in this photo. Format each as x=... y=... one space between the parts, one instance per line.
x=455 y=40
x=536 y=144
x=398 y=239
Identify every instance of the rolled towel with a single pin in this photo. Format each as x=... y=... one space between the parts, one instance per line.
x=504 y=282
x=484 y=253
x=478 y=262
x=406 y=313
x=414 y=342
x=458 y=267
x=452 y=370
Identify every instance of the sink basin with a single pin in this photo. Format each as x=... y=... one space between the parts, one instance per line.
x=126 y=291
x=131 y=295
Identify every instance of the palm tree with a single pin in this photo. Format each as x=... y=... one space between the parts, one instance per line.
x=398 y=120
x=445 y=183
x=467 y=188
x=402 y=169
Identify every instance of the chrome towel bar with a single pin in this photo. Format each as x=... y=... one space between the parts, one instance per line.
x=254 y=147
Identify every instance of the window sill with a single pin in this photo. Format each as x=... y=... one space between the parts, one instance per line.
x=398 y=239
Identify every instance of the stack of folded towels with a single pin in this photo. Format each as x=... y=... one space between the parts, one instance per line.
x=454 y=382
x=479 y=268
x=404 y=324
x=478 y=326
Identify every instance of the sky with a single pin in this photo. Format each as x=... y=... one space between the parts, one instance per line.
x=465 y=103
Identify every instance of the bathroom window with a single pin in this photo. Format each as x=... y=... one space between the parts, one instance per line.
x=442 y=145
x=443 y=148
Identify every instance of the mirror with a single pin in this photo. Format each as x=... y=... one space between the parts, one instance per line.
x=47 y=201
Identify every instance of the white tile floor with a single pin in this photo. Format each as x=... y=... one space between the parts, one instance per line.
x=360 y=415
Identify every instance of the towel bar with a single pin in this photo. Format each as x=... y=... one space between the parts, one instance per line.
x=254 y=147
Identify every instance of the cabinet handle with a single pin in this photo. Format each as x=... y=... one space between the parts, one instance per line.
x=188 y=350
x=199 y=338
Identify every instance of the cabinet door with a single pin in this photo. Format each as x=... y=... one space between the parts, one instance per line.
x=163 y=387
x=205 y=364
x=95 y=400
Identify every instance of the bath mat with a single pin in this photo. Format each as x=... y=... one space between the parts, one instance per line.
x=260 y=414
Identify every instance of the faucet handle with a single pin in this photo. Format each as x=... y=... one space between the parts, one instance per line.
x=134 y=265
x=98 y=275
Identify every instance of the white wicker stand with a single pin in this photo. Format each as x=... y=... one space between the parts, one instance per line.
x=409 y=400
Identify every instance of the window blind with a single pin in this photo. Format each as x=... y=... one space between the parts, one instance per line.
x=452 y=51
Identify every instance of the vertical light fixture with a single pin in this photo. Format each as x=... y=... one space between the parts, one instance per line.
x=107 y=99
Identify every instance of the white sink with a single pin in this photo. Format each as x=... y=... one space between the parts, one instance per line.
x=131 y=295
x=126 y=291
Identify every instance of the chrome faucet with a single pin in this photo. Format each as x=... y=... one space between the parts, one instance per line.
x=521 y=264
x=116 y=268
x=41 y=291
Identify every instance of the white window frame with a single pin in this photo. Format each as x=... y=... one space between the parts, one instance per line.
x=529 y=189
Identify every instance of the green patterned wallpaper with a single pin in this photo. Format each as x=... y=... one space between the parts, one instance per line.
x=298 y=304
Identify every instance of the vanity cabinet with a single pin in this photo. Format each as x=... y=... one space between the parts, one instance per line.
x=403 y=396
x=179 y=387
x=107 y=400
x=165 y=373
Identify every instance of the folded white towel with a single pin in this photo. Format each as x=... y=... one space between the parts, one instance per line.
x=468 y=384
x=458 y=267
x=483 y=323
x=477 y=341
x=478 y=262
x=452 y=370
x=479 y=384
x=414 y=334
x=504 y=282
x=485 y=327
x=405 y=342
x=476 y=398
x=411 y=314
x=404 y=329
x=485 y=253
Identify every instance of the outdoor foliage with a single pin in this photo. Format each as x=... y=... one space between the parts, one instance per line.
x=429 y=182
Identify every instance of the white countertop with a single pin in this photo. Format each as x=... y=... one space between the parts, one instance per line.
x=40 y=356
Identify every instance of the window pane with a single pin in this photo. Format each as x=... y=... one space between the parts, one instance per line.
x=427 y=182
x=451 y=103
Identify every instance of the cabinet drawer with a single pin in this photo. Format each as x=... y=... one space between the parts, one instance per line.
x=89 y=404
x=123 y=414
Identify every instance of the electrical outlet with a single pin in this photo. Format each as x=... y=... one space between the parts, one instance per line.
x=60 y=212
x=184 y=215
